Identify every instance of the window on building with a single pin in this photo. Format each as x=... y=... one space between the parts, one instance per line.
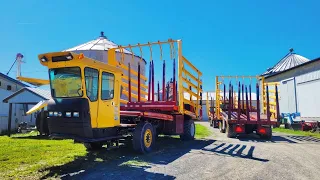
x=107 y=86
x=0 y=83
x=92 y=83
x=9 y=88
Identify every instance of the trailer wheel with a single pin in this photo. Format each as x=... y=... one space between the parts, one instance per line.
x=215 y=124
x=230 y=131
x=268 y=134
x=92 y=146
x=221 y=127
x=189 y=130
x=143 y=137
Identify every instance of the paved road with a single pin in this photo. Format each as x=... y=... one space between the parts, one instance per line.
x=218 y=157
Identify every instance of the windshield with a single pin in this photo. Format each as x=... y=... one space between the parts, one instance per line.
x=65 y=82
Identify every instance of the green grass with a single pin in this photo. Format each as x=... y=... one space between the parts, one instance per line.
x=202 y=131
x=296 y=132
x=27 y=156
x=136 y=163
x=24 y=156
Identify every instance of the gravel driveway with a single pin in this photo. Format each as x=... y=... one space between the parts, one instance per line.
x=217 y=157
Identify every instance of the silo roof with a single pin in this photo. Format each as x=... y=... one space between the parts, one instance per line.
x=289 y=61
x=100 y=44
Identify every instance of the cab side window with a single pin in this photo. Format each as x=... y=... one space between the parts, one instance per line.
x=92 y=83
x=107 y=86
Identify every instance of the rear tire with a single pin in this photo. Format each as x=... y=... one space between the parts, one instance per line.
x=92 y=146
x=143 y=137
x=230 y=131
x=215 y=124
x=189 y=130
x=221 y=127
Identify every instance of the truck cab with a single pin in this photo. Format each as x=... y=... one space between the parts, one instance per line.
x=85 y=102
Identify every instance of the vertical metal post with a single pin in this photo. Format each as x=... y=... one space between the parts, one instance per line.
x=129 y=81
x=268 y=103
x=242 y=93
x=164 y=81
x=176 y=92
x=239 y=103
x=277 y=105
x=247 y=104
x=167 y=91
x=9 y=119
x=158 y=91
x=224 y=94
x=217 y=98
x=258 y=102
x=263 y=94
x=229 y=104
x=139 y=82
x=250 y=97
x=180 y=68
x=174 y=79
x=232 y=97
x=152 y=81
x=149 y=84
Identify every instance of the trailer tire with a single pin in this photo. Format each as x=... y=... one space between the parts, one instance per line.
x=143 y=137
x=215 y=124
x=221 y=127
x=230 y=132
x=93 y=146
x=189 y=130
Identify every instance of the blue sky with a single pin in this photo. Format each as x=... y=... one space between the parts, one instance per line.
x=220 y=37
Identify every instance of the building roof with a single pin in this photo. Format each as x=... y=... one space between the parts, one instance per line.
x=101 y=44
x=43 y=94
x=13 y=80
x=295 y=67
x=289 y=61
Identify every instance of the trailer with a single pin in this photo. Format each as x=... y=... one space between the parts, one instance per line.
x=234 y=112
x=100 y=104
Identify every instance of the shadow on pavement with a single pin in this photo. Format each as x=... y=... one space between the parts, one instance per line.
x=124 y=163
x=235 y=150
x=279 y=139
x=256 y=138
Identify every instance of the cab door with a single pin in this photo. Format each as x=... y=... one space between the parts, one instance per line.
x=108 y=102
x=92 y=88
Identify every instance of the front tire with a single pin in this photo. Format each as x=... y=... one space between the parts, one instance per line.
x=143 y=137
x=189 y=130
x=92 y=146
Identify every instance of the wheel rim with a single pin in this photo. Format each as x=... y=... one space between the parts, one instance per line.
x=147 y=138
x=192 y=129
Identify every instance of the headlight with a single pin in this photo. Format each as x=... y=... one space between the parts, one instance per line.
x=69 y=57
x=50 y=113
x=75 y=114
x=44 y=59
x=68 y=114
x=59 y=114
x=55 y=114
